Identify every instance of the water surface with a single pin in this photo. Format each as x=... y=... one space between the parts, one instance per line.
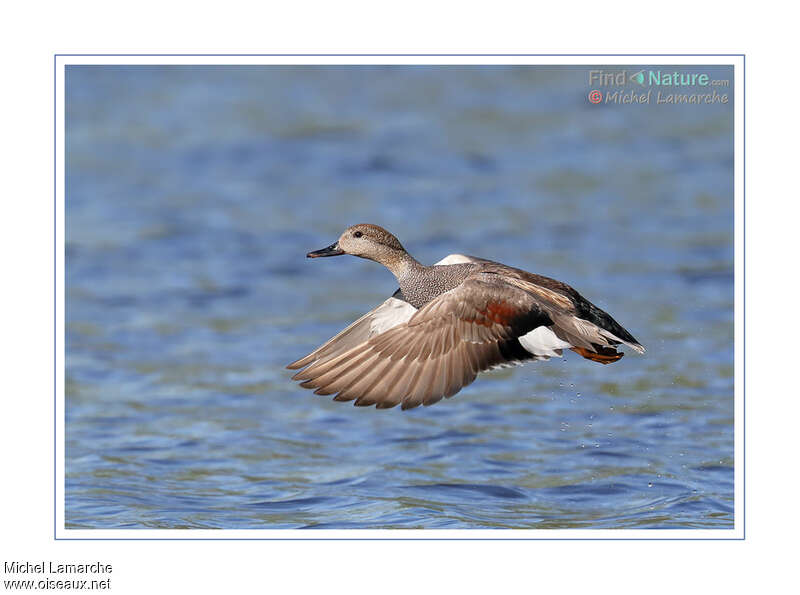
x=192 y=196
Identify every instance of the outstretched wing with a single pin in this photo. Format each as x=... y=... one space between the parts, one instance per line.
x=440 y=349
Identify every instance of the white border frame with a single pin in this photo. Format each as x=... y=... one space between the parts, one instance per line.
x=738 y=532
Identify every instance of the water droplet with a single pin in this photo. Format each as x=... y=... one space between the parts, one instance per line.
x=650 y=484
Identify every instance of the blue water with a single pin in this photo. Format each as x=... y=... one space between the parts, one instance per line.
x=192 y=196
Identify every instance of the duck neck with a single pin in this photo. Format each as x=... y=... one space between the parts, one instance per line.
x=402 y=264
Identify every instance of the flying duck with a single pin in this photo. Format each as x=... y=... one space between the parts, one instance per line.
x=448 y=322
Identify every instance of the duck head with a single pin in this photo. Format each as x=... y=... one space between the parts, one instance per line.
x=365 y=241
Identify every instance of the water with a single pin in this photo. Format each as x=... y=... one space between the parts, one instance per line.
x=192 y=196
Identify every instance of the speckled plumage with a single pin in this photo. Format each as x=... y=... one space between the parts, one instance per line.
x=421 y=284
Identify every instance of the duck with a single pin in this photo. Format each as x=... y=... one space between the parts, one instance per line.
x=447 y=323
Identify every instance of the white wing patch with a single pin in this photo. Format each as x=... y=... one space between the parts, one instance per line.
x=455 y=259
x=388 y=315
x=543 y=342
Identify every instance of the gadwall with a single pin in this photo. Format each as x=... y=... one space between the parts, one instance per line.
x=447 y=323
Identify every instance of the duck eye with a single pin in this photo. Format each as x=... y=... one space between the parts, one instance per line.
x=357 y=234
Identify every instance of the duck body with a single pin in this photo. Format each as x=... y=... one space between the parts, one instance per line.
x=447 y=323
